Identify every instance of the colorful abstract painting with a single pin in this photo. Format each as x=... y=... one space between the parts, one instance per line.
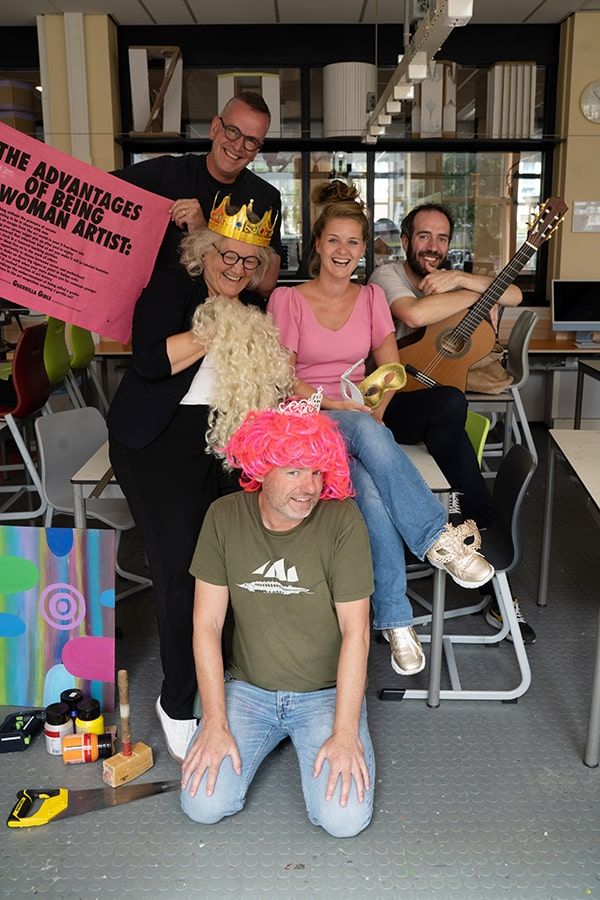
x=57 y=614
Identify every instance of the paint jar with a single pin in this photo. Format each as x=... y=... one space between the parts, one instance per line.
x=89 y=718
x=83 y=748
x=72 y=697
x=58 y=725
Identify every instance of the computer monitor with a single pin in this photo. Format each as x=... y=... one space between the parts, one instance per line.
x=576 y=307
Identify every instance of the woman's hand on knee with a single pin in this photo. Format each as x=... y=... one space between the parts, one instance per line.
x=206 y=754
x=348 y=405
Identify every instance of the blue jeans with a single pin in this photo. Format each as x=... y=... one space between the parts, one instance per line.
x=397 y=507
x=259 y=720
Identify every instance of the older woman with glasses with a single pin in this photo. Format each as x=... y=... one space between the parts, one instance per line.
x=201 y=360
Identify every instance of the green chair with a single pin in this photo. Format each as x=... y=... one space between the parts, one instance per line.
x=82 y=350
x=477 y=428
x=57 y=361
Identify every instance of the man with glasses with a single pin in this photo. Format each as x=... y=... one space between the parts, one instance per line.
x=193 y=182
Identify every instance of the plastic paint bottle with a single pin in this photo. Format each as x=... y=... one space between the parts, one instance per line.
x=72 y=697
x=89 y=718
x=58 y=725
x=83 y=748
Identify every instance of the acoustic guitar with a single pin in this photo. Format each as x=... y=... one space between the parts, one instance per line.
x=443 y=353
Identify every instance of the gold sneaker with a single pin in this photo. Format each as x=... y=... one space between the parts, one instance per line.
x=407 y=653
x=462 y=561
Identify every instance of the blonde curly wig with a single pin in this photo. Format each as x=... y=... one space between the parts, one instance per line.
x=252 y=370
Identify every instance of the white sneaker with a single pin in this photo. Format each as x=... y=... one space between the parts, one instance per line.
x=178 y=732
x=407 y=653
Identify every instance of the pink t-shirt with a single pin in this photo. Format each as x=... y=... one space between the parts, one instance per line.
x=323 y=355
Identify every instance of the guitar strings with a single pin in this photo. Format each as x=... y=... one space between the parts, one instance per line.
x=468 y=323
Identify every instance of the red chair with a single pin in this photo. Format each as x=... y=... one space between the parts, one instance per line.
x=31 y=387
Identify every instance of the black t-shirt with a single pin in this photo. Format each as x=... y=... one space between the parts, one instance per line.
x=188 y=176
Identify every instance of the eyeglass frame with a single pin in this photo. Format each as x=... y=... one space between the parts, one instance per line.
x=256 y=144
x=223 y=254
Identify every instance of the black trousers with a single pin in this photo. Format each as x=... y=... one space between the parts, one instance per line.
x=437 y=417
x=169 y=486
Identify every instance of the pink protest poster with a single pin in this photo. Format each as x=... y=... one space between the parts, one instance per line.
x=75 y=242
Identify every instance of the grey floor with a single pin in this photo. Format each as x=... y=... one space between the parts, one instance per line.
x=474 y=799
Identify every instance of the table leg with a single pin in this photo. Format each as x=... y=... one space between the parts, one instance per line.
x=592 y=747
x=578 y=399
x=542 y=599
x=436 y=651
x=79 y=506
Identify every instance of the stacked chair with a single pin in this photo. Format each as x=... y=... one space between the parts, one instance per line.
x=66 y=440
x=82 y=349
x=32 y=388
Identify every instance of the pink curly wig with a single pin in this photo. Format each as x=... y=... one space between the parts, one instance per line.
x=267 y=439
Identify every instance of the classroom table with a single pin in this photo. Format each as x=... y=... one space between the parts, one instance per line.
x=95 y=471
x=581 y=451
x=106 y=350
x=585 y=367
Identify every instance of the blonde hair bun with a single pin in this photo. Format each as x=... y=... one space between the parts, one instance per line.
x=335 y=191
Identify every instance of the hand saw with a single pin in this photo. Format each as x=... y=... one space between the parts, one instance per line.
x=60 y=803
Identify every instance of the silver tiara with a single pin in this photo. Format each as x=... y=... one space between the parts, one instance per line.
x=304 y=407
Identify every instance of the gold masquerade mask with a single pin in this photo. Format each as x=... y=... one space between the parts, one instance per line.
x=372 y=389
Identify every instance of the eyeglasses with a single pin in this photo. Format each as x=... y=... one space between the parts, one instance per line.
x=230 y=258
x=233 y=133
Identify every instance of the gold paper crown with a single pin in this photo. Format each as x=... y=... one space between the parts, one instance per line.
x=238 y=226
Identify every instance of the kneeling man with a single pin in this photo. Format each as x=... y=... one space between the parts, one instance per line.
x=292 y=552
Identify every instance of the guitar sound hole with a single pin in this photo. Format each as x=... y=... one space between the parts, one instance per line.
x=450 y=344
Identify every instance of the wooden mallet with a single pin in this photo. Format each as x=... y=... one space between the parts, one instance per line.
x=134 y=759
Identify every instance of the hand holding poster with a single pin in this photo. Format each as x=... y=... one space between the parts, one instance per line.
x=75 y=242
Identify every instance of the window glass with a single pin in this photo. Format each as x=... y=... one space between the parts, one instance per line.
x=490 y=195
x=284 y=171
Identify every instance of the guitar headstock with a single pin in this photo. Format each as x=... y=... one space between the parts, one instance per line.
x=546 y=221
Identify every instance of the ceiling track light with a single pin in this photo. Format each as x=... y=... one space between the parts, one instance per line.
x=441 y=18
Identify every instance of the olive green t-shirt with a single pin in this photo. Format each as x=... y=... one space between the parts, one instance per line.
x=283 y=587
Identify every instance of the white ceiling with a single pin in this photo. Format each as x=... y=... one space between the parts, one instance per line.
x=286 y=12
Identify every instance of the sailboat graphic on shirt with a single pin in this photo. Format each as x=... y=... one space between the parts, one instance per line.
x=277 y=579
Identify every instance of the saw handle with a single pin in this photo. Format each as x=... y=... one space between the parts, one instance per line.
x=54 y=801
x=125 y=725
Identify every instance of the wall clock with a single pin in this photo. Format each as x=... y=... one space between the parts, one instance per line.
x=589 y=101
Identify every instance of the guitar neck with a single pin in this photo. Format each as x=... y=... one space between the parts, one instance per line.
x=481 y=308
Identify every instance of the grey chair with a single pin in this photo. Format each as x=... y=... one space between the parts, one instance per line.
x=502 y=546
x=510 y=403
x=66 y=440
